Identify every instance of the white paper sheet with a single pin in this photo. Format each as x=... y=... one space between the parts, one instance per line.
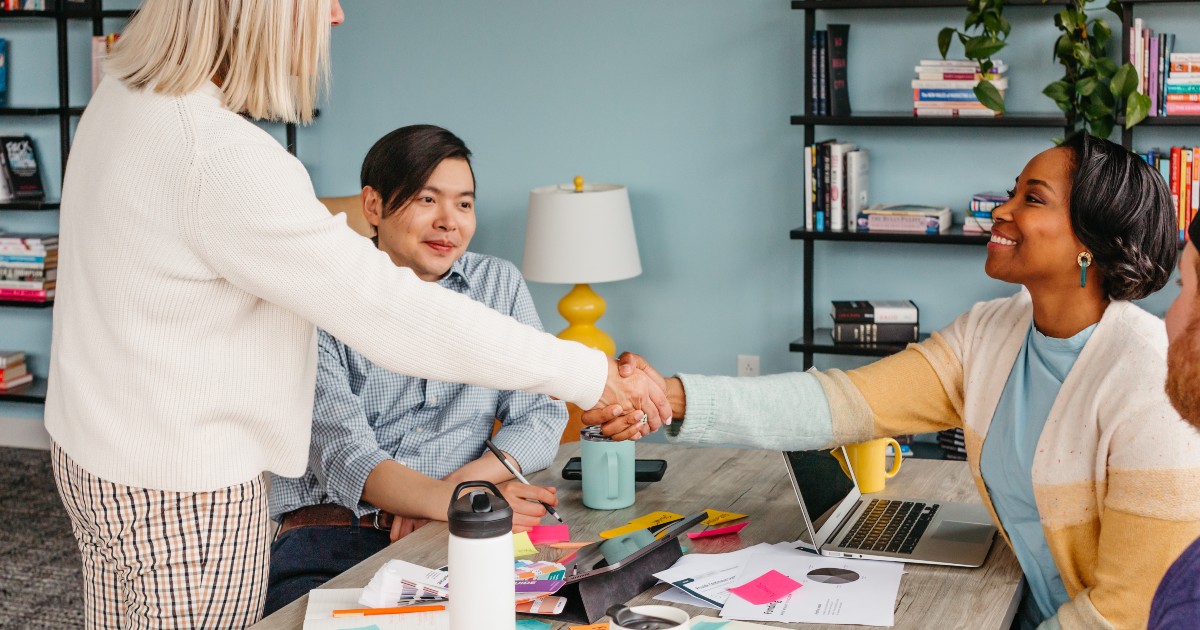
x=323 y=601
x=399 y=580
x=676 y=595
x=708 y=576
x=833 y=590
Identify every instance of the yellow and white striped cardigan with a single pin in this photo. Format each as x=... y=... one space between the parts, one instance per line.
x=1116 y=474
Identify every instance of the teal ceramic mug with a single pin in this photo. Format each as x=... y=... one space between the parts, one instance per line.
x=608 y=468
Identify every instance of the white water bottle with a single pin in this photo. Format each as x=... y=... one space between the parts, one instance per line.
x=482 y=591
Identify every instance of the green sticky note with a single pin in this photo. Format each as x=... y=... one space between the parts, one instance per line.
x=522 y=546
x=709 y=625
x=530 y=624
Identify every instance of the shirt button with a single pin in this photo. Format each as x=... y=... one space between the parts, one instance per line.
x=420 y=430
x=433 y=400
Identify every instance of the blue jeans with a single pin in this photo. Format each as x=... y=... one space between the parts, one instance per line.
x=304 y=558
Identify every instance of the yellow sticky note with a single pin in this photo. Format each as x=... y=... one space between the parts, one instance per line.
x=522 y=546
x=716 y=517
x=603 y=625
x=642 y=522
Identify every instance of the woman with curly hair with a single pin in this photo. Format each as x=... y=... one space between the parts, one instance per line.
x=1090 y=474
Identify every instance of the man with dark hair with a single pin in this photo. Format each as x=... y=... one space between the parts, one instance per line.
x=388 y=450
x=1177 y=602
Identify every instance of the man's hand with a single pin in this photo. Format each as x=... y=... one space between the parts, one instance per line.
x=403 y=526
x=527 y=513
x=637 y=397
x=625 y=423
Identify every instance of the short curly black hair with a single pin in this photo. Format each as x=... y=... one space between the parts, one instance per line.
x=1121 y=210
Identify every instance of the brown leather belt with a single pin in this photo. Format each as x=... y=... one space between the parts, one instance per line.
x=328 y=514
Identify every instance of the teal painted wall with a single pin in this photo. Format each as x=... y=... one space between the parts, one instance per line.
x=686 y=102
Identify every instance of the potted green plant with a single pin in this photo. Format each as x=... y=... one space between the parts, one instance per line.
x=1093 y=88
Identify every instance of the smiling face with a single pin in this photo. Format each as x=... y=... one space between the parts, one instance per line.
x=1032 y=240
x=432 y=230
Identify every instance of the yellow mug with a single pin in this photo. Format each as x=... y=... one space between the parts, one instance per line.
x=868 y=460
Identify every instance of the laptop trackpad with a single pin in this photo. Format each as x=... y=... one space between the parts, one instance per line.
x=957 y=531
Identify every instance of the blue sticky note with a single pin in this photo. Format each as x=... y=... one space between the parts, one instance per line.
x=531 y=624
x=709 y=625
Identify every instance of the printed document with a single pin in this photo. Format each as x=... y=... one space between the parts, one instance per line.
x=323 y=601
x=708 y=576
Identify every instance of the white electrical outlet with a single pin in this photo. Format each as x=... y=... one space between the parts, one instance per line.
x=747 y=365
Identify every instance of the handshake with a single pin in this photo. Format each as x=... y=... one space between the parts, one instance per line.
x=637 y=400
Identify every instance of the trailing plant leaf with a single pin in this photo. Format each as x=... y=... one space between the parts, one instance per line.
x=991 y=98
x=1136 y=109
x=984 y=33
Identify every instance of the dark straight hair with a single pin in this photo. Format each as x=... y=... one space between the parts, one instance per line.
x=399 y=164
x=1121 y=210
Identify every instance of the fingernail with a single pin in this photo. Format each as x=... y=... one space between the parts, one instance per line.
x=667 y=421
x=616 y=412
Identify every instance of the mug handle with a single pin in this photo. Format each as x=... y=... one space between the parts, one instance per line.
x=614 y=488
x=896 y=459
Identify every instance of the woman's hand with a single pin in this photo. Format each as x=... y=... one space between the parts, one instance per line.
x=623 y=423
x=527 y=513
x=634 y=391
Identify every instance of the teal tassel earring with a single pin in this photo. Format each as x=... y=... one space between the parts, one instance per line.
x=1085 y=261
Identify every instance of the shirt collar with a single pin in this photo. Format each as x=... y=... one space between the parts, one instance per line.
x=457 y=270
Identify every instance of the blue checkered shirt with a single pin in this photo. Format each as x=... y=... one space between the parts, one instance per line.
x=364 y=414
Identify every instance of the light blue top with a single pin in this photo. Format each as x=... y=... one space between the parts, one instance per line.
x=364 y=414
x=1007 y=460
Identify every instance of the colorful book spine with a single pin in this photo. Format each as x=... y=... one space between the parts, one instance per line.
x=1183 y=109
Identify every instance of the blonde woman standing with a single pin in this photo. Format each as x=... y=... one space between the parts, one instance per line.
x=195 y=260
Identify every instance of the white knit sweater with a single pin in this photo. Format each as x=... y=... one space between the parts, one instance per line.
x=194 y=262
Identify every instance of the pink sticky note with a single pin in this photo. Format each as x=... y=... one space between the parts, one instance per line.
x=770 y=586
x=546 y=534
x=732 y=529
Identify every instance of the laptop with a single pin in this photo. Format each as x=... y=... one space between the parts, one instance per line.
x=849 y=525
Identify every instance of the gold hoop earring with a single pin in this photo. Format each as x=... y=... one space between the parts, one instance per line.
x=1085 y=260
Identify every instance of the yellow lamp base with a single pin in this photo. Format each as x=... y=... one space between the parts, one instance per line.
x=582 y=307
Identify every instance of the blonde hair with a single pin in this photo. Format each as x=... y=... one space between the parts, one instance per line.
x=270 y=57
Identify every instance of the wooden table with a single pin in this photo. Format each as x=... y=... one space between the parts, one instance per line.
x=754 y=483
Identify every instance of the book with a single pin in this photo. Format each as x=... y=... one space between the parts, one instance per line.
x=808 y=177
x=3 y=72
x=839 y=95
x=997 y=64
x=1001 y=84
x=1153 y=79
x=1183 y=109
x=11 y=357
x=27 y=295
x=21 y=167
x=953 y=111
x=837 y=184
x=875 y=312
x=36 y=241
x=1194 y=97
x=13 y=371
x=950 y=105
x=938 y=94
x=863 y=332
x=857 y=176
x=16 y=382
x=904 y=218
x=822 y=74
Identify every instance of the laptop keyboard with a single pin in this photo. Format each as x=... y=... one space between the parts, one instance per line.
x=891 y=526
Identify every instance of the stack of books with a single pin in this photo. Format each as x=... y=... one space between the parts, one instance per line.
x=23 y=5
x=12 y=370
x=835 y=180
x=904 y=217
x=979 y=215
x=829 y=94
x=952 y=444
x=875 y=321
x=28 y=267
x=946 y=87
x=1180 y=167
x=1181 y=89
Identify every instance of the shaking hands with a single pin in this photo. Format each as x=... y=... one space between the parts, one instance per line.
x=634 y=403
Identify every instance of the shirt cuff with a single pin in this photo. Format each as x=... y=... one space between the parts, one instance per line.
x=346 y=487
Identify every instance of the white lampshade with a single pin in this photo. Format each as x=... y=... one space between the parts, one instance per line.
x=580 y=237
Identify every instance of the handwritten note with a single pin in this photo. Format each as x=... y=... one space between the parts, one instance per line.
x=716 y=517
x=546 y=534
x=770 y=586
x=720 y=531
x=522 y=546
x=642 y=522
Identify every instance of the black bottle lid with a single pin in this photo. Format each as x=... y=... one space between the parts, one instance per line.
x=479 y=514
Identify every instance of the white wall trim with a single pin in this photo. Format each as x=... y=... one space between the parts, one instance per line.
x=24 y=433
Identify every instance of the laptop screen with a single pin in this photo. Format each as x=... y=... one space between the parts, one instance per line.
x=819 y=479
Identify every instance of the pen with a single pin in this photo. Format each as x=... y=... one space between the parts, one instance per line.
x=363 y=612
x=503 y=460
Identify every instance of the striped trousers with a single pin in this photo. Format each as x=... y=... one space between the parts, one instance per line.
x=156 y=559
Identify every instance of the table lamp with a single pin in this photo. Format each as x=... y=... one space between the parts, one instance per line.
x=580 y=234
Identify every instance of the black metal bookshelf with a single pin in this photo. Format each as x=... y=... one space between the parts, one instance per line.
x=33 y=392
x=819 y=341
